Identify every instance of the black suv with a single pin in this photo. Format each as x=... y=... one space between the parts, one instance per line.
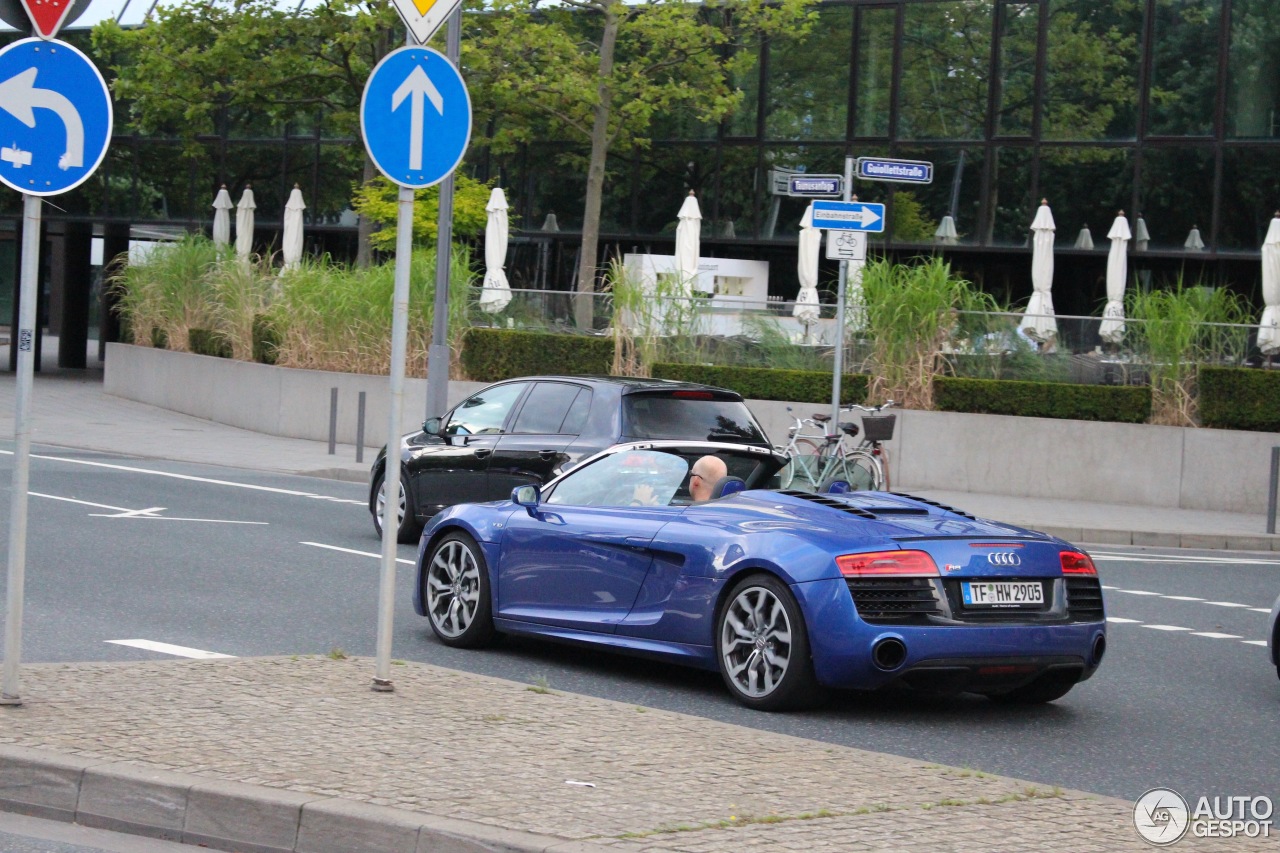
x=529 y=430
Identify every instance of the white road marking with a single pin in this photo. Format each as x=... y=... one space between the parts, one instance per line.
x=1132 y=591
x=170 y=649
x=1181 y=558
x=353 y=551
x=191 y=478
x=1262 y=643
x=1214 y=635
x=1187 y=598
x=121 y=512
x=1260 y=610
x=1183 y=598
x=1122 y=620
x=1164 y=627
x=1225 y=604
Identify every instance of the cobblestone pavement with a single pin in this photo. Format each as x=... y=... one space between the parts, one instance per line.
x=511 y=755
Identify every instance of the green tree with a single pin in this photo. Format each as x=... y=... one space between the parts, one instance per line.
x=600 y=70
x=379 y=201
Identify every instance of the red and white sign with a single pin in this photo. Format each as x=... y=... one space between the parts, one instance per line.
x=47 y=16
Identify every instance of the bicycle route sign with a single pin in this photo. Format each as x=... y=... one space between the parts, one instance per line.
x=55 y=117
x=415 y=117
x=846 y=246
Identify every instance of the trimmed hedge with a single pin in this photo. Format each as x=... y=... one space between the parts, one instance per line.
x=767 y=383
x=208 y=342
x=489 y=355
x=1240 y=398
x=1121 y=403
x=266 y=340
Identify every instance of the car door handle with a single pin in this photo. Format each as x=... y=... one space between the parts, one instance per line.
x=483 y=452
x=548 y=454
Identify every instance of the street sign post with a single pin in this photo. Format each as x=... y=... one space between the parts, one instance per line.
x=815 y=186
x=899 y=171
x=424 y=17
x=55 y=123
x=846 y=245
x=415 y=117
x=848 y=216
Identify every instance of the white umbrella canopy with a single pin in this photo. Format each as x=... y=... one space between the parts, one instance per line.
x=1194 y=242
x=1112 y=328
x=244 y=223
x=1141 y=236
x=222 y=217
x=946 y=234
x=1269 y=326
x=806 y=309
x=1038 y=323
x=291 y=243
x=688 y=242
x=1084 y=240
x=496 y=294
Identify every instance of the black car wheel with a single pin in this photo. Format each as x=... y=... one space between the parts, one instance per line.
x=1046 y=688
x=457 y=592
x=763 y=647
x=409 y=529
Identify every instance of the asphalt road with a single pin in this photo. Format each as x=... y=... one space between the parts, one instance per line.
x=220 y=561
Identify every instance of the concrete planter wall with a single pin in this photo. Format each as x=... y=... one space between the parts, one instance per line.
x=1207 y=469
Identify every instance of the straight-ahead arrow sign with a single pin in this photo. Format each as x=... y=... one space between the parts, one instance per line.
x=415 y=87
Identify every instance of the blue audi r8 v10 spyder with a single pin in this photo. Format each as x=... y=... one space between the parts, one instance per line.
x=784 y=592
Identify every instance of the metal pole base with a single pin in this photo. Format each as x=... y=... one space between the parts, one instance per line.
x=383 y=685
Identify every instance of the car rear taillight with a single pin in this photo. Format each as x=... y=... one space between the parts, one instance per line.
x=1077 y=563
x=887 y=563
x=693 y=395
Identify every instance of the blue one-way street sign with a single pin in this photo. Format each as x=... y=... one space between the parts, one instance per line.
x=55 y=117
x=848 y=216
x=416 y=117
x=902 y=171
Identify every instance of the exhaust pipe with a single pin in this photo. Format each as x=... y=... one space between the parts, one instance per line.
x=889 y=653
x=1099 y=648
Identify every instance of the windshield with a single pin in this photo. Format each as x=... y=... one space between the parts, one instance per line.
x=631 y=478
x=659 y=417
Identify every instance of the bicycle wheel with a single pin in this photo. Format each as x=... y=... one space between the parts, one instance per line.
x=864 y=470
x=804 y=457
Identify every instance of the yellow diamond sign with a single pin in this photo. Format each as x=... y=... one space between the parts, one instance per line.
x=424 y=17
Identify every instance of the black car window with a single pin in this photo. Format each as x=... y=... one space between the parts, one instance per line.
x=576 y=421
x=485 y=413
x=545 y=408
x=690 y=417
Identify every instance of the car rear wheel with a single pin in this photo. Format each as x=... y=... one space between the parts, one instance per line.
x=457 y=592
x=1046 y=688
x=763 y=648
x=409 y=529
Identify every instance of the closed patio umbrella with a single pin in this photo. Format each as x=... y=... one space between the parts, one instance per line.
x=222 y=217
x=1084 y=240
x=497 y=291
x=244 y=223
x=806 y=309
x=688 y=243
x=1141 y=236
x=1194 y=242
x=1038 y=323
x=291 y=243
x=1269 y=326
x=1112 y=328
x=946 y=234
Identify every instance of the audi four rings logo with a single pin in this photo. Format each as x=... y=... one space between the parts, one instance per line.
x=1004 y=558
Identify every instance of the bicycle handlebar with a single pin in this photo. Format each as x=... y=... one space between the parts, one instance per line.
x=887 y=404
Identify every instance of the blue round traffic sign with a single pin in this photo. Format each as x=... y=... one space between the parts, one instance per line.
x=416 y=117
x=55 y=116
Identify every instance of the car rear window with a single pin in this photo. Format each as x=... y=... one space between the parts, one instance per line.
x=688 y=417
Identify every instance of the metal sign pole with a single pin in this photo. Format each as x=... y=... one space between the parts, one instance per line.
x=438 y=353
x=844 y=280
x=391 y=476
x=10 y=693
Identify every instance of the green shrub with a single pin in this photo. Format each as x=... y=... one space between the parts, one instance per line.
x=1122 y=403
x=1240 y=398
x=208 y=342
x=489 y=355
x=766 y=383
x=266 y=339
x=159 y=338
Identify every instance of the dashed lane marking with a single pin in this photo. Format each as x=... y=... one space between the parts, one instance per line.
x=192 y=478
x=170 y=649
x=1187 y=598
x=353 y=551
x=149 y=512
x=1212 y=635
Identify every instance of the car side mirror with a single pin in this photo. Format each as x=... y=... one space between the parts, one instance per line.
x=526 y=496
x=431 y=426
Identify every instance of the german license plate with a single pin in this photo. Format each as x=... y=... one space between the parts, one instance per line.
x=1002 y=593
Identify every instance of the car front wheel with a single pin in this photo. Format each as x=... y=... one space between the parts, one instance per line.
x=457 y=592
x=408 y=529
x=763 y=648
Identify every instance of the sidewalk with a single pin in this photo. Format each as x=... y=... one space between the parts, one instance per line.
x=298 y=754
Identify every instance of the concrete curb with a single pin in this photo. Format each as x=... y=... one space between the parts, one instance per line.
x=1154 y=539
x=132 y=798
